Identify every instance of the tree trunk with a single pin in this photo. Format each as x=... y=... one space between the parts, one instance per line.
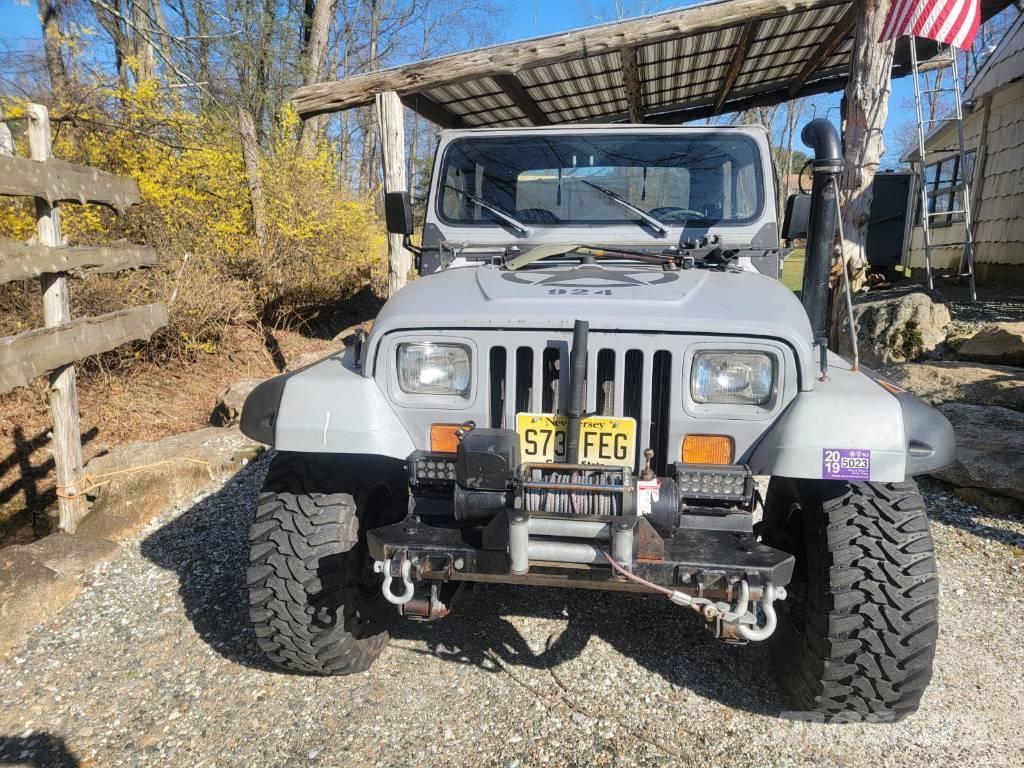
x=392 y=139
x=251 y=158
x=166 y=50
x=145 y=57
x=313 y=69
x=866 y=108
x=114 y=27
x=204 y=29
x=49 y=17
x=794 y=109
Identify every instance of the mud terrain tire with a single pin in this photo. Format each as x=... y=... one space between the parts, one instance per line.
x=857 y=632
x=312 y=603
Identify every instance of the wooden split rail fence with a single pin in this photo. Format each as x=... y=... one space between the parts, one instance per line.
x=52 y=351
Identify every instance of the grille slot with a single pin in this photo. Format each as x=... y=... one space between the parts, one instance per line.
x=661 y=404
x=498 y=378
x=524 y=379
x=633 y=396
x=605 y=383
x=551 y=365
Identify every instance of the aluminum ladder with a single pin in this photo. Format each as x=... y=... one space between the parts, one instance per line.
x=946 y=58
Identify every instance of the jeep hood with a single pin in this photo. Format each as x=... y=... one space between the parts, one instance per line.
x=612 y=297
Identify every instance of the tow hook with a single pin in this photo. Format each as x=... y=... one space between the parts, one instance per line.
x=387 y=567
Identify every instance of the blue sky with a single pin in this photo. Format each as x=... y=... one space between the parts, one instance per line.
x=19 y=27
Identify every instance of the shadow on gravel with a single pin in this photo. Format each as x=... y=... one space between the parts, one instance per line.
x=660 y=637
x=207 y=547
x=40 y=750
x=944 y=507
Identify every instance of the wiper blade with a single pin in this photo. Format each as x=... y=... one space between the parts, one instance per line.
x=565 y=249
x=659 y=227
x=504 y=216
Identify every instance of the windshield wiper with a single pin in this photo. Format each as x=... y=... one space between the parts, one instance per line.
x=659 y=227
x=513 y=222
x=565 y=249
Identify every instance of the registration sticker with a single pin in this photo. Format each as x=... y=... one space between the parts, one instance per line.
x=845 y=464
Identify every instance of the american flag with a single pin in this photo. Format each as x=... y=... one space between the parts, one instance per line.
x=954 y=22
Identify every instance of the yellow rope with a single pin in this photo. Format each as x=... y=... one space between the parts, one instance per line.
x=92 y=482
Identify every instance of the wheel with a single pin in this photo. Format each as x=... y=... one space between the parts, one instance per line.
x=857 y=631
x=313 y=601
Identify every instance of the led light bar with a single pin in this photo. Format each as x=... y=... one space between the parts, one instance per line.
x=432 y=470
x=732 y=484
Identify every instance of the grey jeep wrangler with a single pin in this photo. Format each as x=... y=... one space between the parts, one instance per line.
x=578 y=391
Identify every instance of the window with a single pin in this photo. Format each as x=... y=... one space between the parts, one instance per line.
x=943 y=182
x=564 y=179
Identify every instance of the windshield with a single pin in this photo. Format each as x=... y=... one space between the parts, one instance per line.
x=552 y=180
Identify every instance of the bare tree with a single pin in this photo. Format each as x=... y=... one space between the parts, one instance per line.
x=50 y=13
x=315 y=56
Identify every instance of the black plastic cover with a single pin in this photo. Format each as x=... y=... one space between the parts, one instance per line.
x=259 y=414
x=487 y=459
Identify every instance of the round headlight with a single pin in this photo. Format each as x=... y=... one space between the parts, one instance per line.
x=745 y=378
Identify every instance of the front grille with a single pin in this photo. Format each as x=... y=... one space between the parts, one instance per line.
x=620 y=381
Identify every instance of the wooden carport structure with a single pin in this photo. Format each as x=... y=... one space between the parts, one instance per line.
x=668 y=68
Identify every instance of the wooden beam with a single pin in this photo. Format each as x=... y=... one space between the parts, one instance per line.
x=22 y=262
x=839 y=33
x=510 y=58
x=519 y=96
x=631 y=84
x=739 y=58
x=35 y=353
x=55 y=180
x=432 y=111
x=766 y=95
x=391 y=123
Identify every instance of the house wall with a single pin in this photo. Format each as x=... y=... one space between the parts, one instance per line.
x=999 y=226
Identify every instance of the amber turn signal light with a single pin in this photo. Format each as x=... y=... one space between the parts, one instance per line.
x=444 y=438
x=707 y=449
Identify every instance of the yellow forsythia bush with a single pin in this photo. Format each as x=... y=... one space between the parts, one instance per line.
x=322 y=245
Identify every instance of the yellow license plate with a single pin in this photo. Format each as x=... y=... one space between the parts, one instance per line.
x=603 y=440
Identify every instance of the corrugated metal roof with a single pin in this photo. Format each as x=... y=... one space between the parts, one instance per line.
x=677 y=74
x=690 y=63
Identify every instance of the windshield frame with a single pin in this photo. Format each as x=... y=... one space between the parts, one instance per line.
x=627 y=221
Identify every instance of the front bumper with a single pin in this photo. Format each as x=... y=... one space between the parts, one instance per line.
x=699 y=561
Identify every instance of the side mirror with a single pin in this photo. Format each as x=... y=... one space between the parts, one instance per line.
x=398 y=213
x=797 y=218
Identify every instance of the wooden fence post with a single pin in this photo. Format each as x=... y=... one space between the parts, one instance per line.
x=67 y=431
x=392 y=151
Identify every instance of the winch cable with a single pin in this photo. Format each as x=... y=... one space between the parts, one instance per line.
x=708 y=609
x=679 y=598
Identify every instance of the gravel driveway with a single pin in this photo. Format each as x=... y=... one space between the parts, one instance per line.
x=154 y=664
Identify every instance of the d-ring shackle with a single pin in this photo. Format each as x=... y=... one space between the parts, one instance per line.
x=385 y=568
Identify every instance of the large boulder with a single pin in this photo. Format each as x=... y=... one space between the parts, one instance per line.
x=144 y=479
x=1001 y=343
x=228 y=410
x=894 y=326
x=989 y=449
x=938 y=382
